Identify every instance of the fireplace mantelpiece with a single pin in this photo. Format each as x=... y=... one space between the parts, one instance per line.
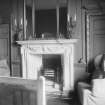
x=58 y=41
x=31 y=51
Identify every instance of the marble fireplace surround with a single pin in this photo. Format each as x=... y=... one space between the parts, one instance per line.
x=32 y=50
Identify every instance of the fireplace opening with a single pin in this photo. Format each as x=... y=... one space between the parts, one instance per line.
x=52 y=69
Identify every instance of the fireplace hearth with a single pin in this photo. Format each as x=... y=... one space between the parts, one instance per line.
x=32 y=52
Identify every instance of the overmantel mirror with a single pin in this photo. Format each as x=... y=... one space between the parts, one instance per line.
x=45 y=19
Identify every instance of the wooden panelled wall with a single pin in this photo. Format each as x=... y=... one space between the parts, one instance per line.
x=16 y=16
x=15 y=11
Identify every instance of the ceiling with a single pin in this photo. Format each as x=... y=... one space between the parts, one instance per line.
x=46 y=4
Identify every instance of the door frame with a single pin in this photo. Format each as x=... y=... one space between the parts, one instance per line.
x=89 y=38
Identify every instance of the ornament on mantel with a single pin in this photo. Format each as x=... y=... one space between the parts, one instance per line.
x=71 y=24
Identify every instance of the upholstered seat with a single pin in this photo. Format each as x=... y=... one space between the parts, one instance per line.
x=94 y=93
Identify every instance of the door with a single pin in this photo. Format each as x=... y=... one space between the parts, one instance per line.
x=97 y=35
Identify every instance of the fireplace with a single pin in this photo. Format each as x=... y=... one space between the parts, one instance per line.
x=52 y=65
x=32 y=52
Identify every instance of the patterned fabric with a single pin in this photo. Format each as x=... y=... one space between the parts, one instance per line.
x=98 y=73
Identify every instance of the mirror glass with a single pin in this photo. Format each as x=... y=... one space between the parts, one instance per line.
x=63 y=18
x=46 y=22
x=45 y=18
x=28 y=12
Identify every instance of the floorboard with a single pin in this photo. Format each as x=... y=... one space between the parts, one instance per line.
x=55 y=97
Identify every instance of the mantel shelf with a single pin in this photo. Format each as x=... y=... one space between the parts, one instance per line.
x=57 y=41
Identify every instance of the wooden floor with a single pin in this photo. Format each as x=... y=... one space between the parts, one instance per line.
x=55 y=97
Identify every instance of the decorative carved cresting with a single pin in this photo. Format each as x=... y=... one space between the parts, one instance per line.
x=32 y=58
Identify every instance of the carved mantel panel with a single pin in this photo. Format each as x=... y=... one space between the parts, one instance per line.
x=49 y=49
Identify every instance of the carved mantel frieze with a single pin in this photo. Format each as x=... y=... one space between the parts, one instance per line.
x=47 y=49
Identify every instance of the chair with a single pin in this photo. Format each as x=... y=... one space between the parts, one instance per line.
x=93 y=93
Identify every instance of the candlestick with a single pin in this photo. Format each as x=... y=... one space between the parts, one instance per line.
x=68 y=18
x=75 y=17
x=15 y=22
x=21 y=21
